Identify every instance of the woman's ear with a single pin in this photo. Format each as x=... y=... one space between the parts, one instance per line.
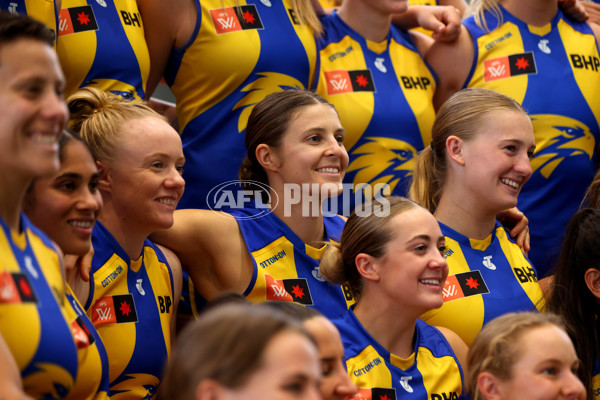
x=104 y=183
x=365 y=264
x=209 y=389
x=266 y=157
x=592 y=280
x=454 y=147
x=489 y=386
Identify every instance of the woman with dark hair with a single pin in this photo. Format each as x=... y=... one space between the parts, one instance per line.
x=269 y=248
x=575 y=292
x=242 y=352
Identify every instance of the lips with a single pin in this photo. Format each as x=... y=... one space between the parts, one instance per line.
x=329 y=170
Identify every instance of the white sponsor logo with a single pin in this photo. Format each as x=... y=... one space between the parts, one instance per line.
x=497 y=71
x=487 y=262
x=266 y=3
x=30 y=268
x=316 y=273
x=379 y=64
x=404 y=383
x=139 y=287
x=543 y=46
x=103 y=314
x=449 y=291
x=226 y=23
x=101 y=2
x=279 y=291
x=12 y=8
x=339 y=84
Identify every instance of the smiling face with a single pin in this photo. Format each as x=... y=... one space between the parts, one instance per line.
x=32 y=108
x=66 y=205
x=335 y=382
x=311 y=151
x=497 y=160
x=546 y=368
x=413 y=271
x=144 y=174
x=289 y=370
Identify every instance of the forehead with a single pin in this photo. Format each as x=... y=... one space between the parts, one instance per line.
x=313 y=115
x=148 y=134
x=546 y=342
x=505 y=125
x=413 y=222
x=25 y=57
x=326 y=334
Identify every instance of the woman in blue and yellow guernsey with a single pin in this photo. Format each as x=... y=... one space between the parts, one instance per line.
x=575 y=293
x=100 y=43
x=269 y=248
x=135 y=285
x=35 y=323
x=479 y=159
x=65 y=205
x=392 y=260
x=531 y=51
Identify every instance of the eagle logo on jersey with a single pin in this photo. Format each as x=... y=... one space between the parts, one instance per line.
x=141 y=386
x=49 y=381
x=267 y=83
x=117 y=87
x=559 y=137
x=383 y=160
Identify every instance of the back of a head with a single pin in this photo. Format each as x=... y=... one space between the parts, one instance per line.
x=15 y=26
x=98 y=116
x=496 y=347
x=225 y=344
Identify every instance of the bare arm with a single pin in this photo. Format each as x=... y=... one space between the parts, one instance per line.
x=451 y=63
x=168 y=24
x=458 y=345
x=11 y=387
x=592 y=10
x=211 y=249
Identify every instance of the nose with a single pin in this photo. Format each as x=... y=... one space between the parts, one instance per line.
x=337 y=149
x=175 y=180
x=89 y=200
x=573 y=388
x=524 y=166
x=345 y=387
x=55 y=108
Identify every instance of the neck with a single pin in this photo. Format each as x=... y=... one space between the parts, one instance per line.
x=370 y=23
x=464 y=215
x=309 y=228
x=130 y=237
x=393 y=329
x=532 y=12
x=13 y=190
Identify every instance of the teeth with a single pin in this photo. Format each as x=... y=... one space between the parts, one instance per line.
x=430 y=281
x=329 y=170
x=81 y=224
x=510 y=183
x=46 y=139
x=169 y=202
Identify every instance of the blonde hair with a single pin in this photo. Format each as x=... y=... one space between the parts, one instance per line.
x=368 y=234
x=478 y=9
x=98 y=116
x=496 y=347
x=459 y=116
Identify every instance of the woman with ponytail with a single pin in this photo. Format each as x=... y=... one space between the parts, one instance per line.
x=393 y=264
x=478 y=161
x=134 y=284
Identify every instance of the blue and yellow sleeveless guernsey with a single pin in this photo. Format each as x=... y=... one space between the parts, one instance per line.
x=431 y=372
x=33 y=312
x=487 y=278
x=131 y=306
x=383 y=93
x=91 y=36
x=554 y=72
x=231 y=62
x=287 y=269
x=92 y=375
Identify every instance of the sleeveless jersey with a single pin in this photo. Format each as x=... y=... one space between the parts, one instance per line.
x=130 y=304
x=92 y=375
x=596 y=380
x=431 y=372
x=554 y=72
x=287 y=269
x=231 y=62
x=383 y=93
x=33 y=312
x=487 y=278
x=100 y=43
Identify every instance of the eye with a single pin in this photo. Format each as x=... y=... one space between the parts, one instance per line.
x=511 y=148
x=442 y=249
x=179 y=169
x=339 y=139
x=326 y=368
x=550 y=371
x=530 y=154
x=93 y=186
x=157 y=164
x=421 y=248
x=314 y=139
x=294 y=387
x=67 y=186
